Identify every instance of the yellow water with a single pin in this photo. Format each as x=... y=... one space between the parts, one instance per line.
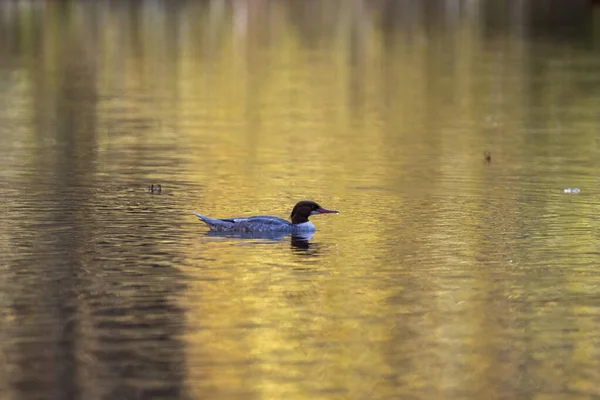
x=444 y=276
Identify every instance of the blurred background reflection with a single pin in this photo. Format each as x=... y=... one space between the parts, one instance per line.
x=445 y=276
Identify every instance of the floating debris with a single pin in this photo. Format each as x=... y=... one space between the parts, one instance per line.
x=488 y=156
x=155 y=189
x=572 y=190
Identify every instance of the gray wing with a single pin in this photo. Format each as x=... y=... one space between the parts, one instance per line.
x=263 y=220
x=257 y=224
x=245 y=224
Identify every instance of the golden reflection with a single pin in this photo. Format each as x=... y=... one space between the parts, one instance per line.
x=433 y=280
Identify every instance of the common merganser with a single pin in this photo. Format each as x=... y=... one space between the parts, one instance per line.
x=299 y=224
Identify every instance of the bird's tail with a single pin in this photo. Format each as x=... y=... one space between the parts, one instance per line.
x=212 y=223
x=205 y=219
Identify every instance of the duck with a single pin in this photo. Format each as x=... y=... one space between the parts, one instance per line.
x=155 y=189
x=299 y=221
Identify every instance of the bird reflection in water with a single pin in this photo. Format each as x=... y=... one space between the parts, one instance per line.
x=299 y=241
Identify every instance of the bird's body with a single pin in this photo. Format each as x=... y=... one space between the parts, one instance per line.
x=255 y=224
x=299 y=224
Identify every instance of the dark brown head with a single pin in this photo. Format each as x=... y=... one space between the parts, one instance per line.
x=304 y=209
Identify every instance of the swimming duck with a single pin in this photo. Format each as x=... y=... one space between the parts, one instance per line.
x=299 y=221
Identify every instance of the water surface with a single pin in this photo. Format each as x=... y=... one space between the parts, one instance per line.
x=445 y=276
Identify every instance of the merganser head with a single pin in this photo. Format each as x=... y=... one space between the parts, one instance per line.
x=304 y=209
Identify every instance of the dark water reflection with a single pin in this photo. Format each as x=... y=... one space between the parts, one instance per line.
x=297 y=241
x=444 y=276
